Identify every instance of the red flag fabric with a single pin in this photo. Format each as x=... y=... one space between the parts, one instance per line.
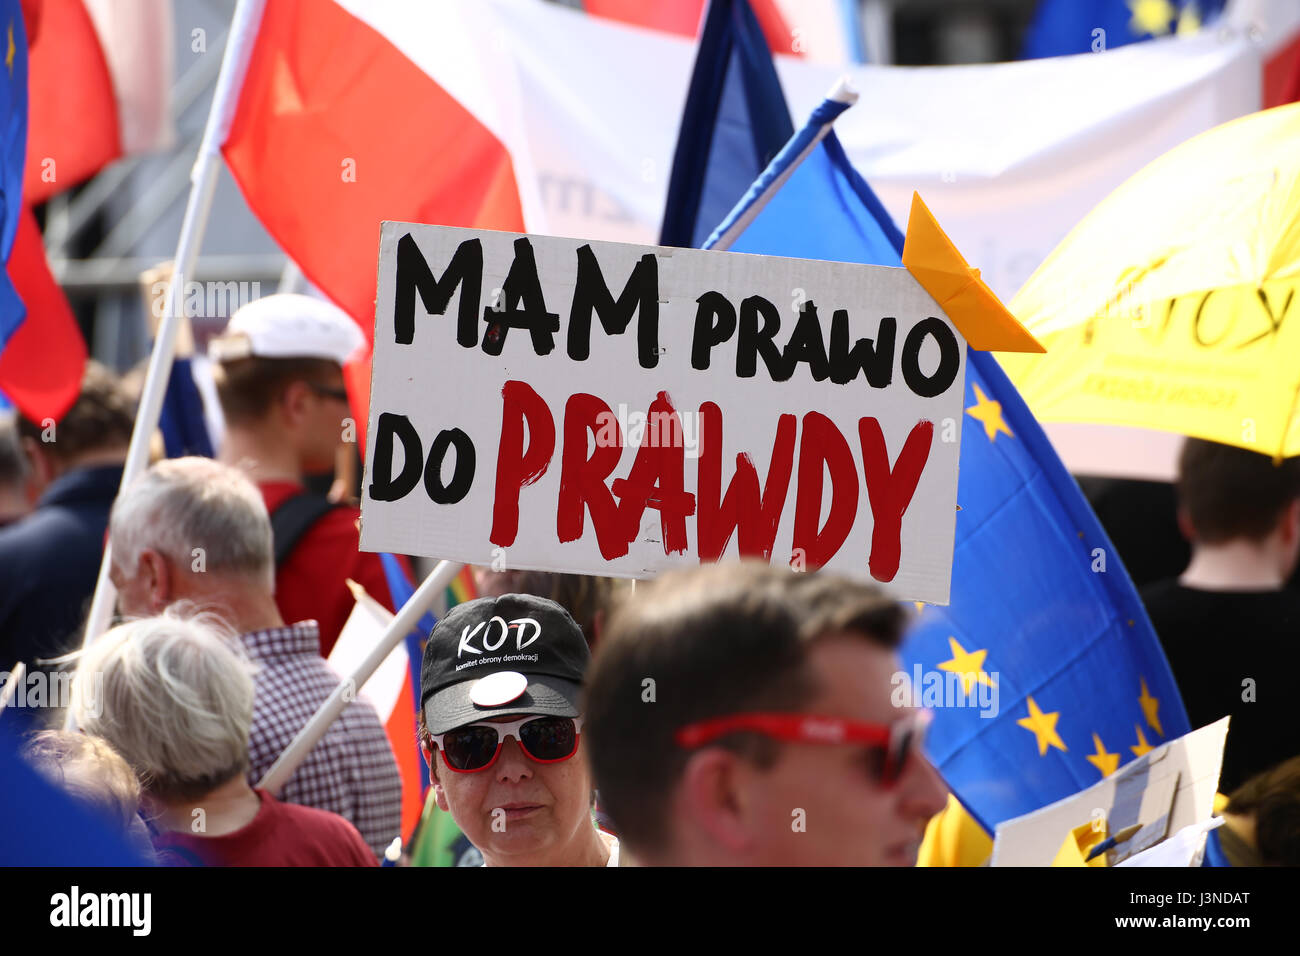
x=1282 y=75
x=73 y=128
x=683 y=18
x=336 y=131
x=42 y=364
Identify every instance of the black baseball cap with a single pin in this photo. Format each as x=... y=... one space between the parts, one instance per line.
x=513 y=654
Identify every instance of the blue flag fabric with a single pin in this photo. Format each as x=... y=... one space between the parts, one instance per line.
x=41 y=825
x=13 y=154
x=851 y=18
x=183 y=427
x=827 y=199
x=1044 y=628
x=400 y=588
x=1062 y=27
x=735 y=121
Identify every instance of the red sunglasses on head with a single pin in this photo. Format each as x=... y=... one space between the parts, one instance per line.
x=890 y=744
x=476 y=747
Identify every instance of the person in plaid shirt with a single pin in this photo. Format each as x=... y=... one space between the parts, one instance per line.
x=191 y=532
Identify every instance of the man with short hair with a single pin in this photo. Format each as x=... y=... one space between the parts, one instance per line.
x=502 y=732
x=739 y=714
x=1229 y=625
x=278 y=370
x=49 y=560
x=193 y=533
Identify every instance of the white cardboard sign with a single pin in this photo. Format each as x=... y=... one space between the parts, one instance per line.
x=615 y=409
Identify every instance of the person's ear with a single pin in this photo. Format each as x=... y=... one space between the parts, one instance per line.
x=439 y=794
x=41 y=466
x=156 y=576
x=1185 y=526
x=295 y=401
x=713 y=797
x=1291 y=522
x=429 y=761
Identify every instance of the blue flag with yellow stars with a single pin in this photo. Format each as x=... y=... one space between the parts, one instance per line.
x=1044 y=673
x=1062 y=27
x=1045 y=641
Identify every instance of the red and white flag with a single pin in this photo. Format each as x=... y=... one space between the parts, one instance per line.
x=99 y=79
x=389 y=690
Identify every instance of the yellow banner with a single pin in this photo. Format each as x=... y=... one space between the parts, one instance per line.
x=1223 y=364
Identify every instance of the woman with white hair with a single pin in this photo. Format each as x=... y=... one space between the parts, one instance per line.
x=173 y=698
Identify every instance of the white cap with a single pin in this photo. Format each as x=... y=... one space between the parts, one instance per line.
x=287 y=325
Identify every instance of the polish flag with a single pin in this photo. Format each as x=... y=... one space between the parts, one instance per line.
x=99 y=80
x=389 y=690
x=339 y=126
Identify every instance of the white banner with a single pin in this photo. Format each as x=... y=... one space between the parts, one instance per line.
x=614 y=409
x=1009 y=156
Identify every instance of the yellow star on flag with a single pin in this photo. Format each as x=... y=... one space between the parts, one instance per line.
x=9 y=53
x=1142 y=745
x=919 y=605
x=1107 y=763
x=969 y=664
x=1151 y=17
x=1151 y=708
x=1044 y=728
x=1189 y=21
x=989 y=413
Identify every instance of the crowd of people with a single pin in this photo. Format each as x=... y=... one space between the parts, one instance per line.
x=729 y=714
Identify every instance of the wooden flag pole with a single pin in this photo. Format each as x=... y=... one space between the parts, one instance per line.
x=420 y=602
x=203 y=183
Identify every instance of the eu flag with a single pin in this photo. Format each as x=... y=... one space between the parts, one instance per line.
x=1044 y=673
x=1062 y=27
x=734 y=122
x=13 y=124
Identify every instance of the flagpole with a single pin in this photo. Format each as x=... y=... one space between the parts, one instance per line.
x=841 y=92
x=402 y=624
x=203 y=182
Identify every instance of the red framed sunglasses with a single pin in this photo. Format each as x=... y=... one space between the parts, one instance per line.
x=476 y=747
x=890 y=745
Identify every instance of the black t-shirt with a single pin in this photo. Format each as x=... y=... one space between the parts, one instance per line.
x=1224 y=648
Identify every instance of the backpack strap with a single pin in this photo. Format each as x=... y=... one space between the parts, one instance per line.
x=292 y=519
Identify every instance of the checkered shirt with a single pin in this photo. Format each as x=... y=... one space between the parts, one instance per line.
x=351 y=771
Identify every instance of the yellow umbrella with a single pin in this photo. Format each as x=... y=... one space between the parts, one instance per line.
x=1174 y=305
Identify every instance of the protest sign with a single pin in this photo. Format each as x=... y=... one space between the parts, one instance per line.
x=605 y=408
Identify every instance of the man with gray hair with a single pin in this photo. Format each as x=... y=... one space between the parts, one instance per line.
x=195 y=531
x=177 y=703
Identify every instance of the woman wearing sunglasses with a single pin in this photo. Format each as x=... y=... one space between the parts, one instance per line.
x=502 y=732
